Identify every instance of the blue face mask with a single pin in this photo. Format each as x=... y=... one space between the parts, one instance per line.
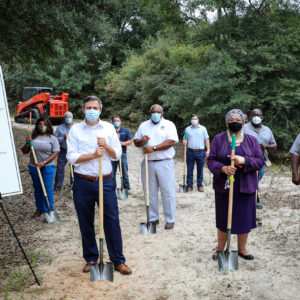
x=155 y=117
x=92 y=115
x=194 y=122
x=117 y=124
x=68 y=120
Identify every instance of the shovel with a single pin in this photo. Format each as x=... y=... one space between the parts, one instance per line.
x=183 y=188
x=101 y=271
x=122 y=193
x=72 y=180
x=228 y=260
x=50 y=216
x=147 y=228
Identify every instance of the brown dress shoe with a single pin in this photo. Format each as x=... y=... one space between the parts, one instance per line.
x=200 y=189
x=190 y=189
x=87 y=266
x=169 y=226
x=123 y=269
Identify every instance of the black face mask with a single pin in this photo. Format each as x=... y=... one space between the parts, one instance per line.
x=235 y=126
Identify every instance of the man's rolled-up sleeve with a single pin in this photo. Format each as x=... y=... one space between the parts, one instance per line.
x=115 y=144
x=72 y=148
x=172 y=133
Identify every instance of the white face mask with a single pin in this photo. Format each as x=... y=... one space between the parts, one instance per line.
x=256 y=120
x=194 y=122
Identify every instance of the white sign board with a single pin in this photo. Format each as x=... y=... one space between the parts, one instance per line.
x=10 y=181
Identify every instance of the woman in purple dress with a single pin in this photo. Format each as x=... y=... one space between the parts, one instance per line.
x=248 y=159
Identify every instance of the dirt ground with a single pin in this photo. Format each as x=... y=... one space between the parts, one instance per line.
x=174 y=264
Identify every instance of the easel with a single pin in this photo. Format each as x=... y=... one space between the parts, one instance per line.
x=14 y=233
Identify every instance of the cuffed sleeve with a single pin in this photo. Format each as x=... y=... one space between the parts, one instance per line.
x=72 y=148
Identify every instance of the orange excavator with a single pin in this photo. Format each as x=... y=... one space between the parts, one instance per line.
x=38 y=102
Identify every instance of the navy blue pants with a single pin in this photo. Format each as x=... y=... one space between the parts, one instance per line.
x=115 y=165
x=60 y=169
x=191 y=158
x=48 y=176
x=86 y=194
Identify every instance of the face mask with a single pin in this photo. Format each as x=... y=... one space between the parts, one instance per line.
x=92 y=115
x=42 y=128
x=68 y=120
x=155 y=117
x=117 y=124
x=235 y=126
x=194 y=122
x=256 y=120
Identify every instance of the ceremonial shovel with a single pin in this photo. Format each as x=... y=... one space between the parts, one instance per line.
x=122 y=193
x=101 y=271
x=50 y=216
x=183 y=188
x=147 y=228
x=72 y=180
x=229 y=260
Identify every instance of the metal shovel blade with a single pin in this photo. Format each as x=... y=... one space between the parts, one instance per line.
x=148 y=228
x=122 y=193
x=183 y=188
x=228 y=260
x=51 y=217
x=102 y=271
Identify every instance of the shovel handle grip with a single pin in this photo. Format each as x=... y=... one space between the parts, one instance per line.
x=40 y=174
x=101 y=231
x=230 y=203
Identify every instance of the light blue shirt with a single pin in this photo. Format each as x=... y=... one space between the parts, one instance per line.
x=196 y=136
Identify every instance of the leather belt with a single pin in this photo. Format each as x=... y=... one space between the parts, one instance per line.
x=195 y=150
x=91 y=178
x=155 y=160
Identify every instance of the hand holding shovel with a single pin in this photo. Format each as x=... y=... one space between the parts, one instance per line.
x=229 y=260
x=50 y=216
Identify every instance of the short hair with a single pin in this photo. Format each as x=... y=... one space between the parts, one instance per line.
x=68 y=113
x=156 y=105
x=194 y=115
x=115 y=116
x=235 y=111
x=92 y=98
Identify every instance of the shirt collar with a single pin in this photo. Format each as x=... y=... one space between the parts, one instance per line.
x=196 y=126
x=100 y=123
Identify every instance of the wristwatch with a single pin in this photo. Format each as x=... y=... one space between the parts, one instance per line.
x=44 y=162
x=154 y=148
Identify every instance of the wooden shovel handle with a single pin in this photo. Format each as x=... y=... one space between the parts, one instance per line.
x=72 y=171
x=101 y=231
x=147 y=179
x=38 y=170
x=120 y=166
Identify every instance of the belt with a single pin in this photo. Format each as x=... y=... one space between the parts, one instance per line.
x=155 y=160
x=91 y=178
x=195 y=150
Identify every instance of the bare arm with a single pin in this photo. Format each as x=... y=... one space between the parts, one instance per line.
x=89 y=156
x=127 y=143
x=160 y=147
x=295 y=165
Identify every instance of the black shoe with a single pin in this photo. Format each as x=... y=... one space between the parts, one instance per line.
x=156 y=222
x=56 y=189
x=38 y=213
x=247 y=257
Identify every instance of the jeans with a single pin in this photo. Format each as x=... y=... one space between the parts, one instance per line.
x=86 y=194
x=191 y=157
x=48 y=176
x=60 y=169
x=115 y=165
x=261 y=172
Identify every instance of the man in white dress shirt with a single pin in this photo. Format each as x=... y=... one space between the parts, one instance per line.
x=86 y=142
x=160 y=135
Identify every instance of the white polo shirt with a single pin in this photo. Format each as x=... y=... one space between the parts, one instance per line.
x=158 y=133
x=82 y=139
